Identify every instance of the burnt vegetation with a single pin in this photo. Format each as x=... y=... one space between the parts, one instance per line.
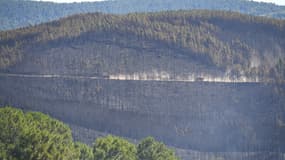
x=236 y=44
x=234 y=117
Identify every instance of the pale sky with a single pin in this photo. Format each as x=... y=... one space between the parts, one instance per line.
x=279 y=2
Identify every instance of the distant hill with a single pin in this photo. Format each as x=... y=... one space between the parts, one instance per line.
x=215 y=43
x=19 y=13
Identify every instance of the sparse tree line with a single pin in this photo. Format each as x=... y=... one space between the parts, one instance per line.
x=34 y=135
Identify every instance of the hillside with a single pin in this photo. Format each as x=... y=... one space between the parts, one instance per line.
x=178 y=44
x=213 y=117
x=19 y=13
x=186 y=78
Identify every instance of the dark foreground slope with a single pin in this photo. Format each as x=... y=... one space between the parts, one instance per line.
x=20 y=13
x=202 y=116
x=75 y=69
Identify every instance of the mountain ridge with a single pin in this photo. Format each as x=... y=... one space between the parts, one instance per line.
x=17 y=13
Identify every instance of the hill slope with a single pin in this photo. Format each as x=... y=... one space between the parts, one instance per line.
x=224 y=44
x=19 y=13
x=130 y=75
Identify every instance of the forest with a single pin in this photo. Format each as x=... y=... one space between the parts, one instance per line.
x=34 y=135
x=235 y=44
x=19 y=13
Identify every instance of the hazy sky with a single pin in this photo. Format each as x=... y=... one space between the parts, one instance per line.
x=280 y=2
